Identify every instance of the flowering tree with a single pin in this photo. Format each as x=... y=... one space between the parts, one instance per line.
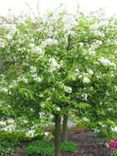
x=59 y=64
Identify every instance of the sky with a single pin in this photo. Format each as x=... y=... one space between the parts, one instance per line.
x=23 y=6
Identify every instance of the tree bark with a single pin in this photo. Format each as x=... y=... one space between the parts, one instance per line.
x=57 y=134
x=64 y=130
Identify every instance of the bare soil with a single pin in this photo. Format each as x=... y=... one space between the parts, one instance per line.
x=88 y=145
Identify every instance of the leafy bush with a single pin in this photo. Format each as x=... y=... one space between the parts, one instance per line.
x=42 y=148
x=112 y=135
x=45 y=148
x=114 y=154
x=9 y=142
x=15 y=136
x=68 y=146
x=7 y=148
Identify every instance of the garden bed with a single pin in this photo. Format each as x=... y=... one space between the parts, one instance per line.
x=87 y=145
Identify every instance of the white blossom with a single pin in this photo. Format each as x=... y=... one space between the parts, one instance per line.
x=46 y=133
x=106 y=62
x=14 y=84
x=24 y=79
x=95 y=26
x=85 y=119
x=80 y=76
x=69 y=21
x=96 y=130
x=2 y=43
x=68 y=26
x=101 y=103
x=102 y=23
x=98 y=42
x=38 y=50
x=11 y=33
x=10 y=27
x=53 y=64
x=42 y=104
x=58 y=109
x=84 y=95
x=112 y=74
x=2 y=123
x=30 y=133
x=31 y=45
x=3 y=90
x=34 y=75
x=49 y=42
x=10 y=128
x=41 y=114
x=33 y=69
x=92 y=52
x=77 y=70
x=81 y=44
x=114 y=129
x=95 y=29
x=100 y=123
x=25 y=121
x=104 y=125
x=90 y=71
x=10 y=121
x=113 y=64
x=38 y=79
x=68 y=89
x=86 y=80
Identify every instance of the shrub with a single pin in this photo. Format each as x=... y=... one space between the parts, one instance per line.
x=45 y=148
x=114 y=154
x=42 y=148
x=112 y=135
x=7 y=148
x=68 y=146
x=14 y=136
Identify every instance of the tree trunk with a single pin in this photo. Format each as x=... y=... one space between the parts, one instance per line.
x=57 y=134
x=64 y=130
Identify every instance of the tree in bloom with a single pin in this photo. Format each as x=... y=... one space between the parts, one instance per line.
x=57 y=67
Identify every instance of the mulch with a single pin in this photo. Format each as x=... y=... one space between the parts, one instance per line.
x=87 y=144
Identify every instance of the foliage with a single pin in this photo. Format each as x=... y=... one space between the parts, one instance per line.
x=7 y=148
x=68 y=146
x=43 y=148
x=114 y=154
x=102 y=128
x=15 y=136
x=109 y=134
x=55 y=65
x=9 y=142
x=112 y=135
x=46 y=148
